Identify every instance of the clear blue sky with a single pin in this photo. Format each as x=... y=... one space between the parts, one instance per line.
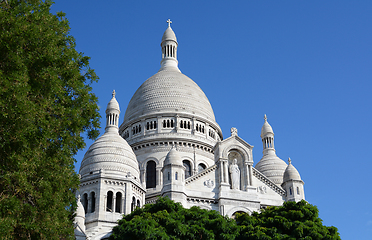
x=306 y=64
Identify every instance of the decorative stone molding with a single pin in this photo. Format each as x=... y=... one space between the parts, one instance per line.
x=201 y=174
x=209 y=183
x=268 y=182
x=110 y=182
x=88 y=183
x=262 y=189
x=201 y=200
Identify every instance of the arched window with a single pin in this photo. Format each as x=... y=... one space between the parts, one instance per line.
x=138 y=203
x=187 y=165
x=188 y=125
x=181 y=124
x=109 y=201
x=155 y=125
x=147 y=126
x=290 y=191
x=168 y=175
x=201 y=167
x=85 y=202
x=93 y=199
x=151 y=174
x=298 y=191
x=176 y=176
x=171 y=123
x=164 y=124
x=133 y=205
x=168 y=123
x=118 y=202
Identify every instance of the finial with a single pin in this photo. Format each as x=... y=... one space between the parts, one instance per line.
x=289 y=161
x=265 y=118
x=169 y=22
x=234 y=131
x=113 y=93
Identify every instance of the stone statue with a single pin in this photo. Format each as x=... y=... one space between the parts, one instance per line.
x=235 y=175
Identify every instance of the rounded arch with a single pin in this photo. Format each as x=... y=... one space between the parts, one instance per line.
x=239 y=149
x=201 y=167
x=144 y=163
x=188 y=168
x=233 y=210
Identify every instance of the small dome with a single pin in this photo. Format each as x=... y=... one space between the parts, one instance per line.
x=169 y=35
x=113 y=104
x=266 y=128
x=272 y=167
x=110 y=153
x=173 y=158
x=291 y=173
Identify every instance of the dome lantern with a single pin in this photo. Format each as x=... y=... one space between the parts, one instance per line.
x=169 y=49
x=112 y=114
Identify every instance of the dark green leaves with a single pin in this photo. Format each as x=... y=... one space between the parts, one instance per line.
x=45 y=105
x=169 y=220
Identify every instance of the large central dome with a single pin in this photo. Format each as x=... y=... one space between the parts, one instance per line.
x=169 y=91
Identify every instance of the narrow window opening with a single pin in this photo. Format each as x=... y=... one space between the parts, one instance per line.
x=187 y=165
x=118 y=202
x=85 y=202
x=109 y=202
x=93 y=199
x=151 y=174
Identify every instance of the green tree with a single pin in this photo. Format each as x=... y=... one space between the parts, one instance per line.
x=290 y=221
x=168 y=220
x=45 y=105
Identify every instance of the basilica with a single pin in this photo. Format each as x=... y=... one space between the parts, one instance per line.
x=169 y=144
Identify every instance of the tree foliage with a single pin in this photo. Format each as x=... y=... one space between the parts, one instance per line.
x=168 y=220
x=45 y=105
x=290 y=221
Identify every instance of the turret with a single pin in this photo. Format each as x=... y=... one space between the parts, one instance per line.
x=270 y=165
x=174 y=177
x=112 y=114
x=293 y=184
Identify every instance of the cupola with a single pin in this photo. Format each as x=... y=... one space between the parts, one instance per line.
x=169 y=50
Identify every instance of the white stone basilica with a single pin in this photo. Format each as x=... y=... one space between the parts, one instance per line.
x=170 y=144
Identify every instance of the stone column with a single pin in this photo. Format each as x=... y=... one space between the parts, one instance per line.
x=250 y=174
x=226 y=168
x=246 y=178
x=221 y=171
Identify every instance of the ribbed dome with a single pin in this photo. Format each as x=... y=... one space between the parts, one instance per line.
x=266 y=128
x=169 y=35
x=291 y=173
x=113 y=104
x=110 y=153
x=272 y=167
x=173 y=158
x=169 y=92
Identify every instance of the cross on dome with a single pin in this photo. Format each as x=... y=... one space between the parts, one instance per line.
x=169 y=22
x=113 y=93
x=265 y=118
x=289 y=161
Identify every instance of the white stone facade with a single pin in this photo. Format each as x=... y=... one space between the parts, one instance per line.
x=174 y=147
